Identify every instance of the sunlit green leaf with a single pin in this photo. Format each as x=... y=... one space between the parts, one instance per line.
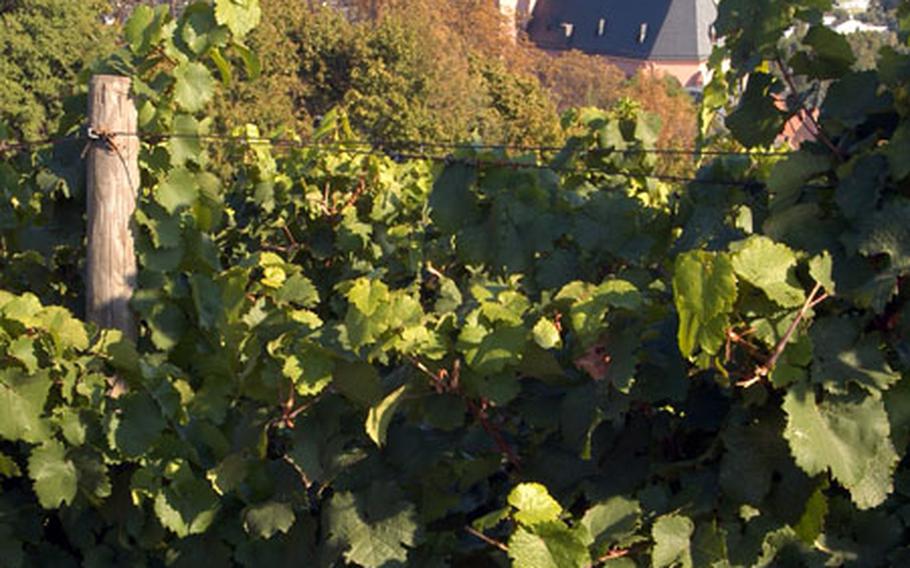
x=54 y=475
x=380 y=416
x=534 y=504
x=704 y=290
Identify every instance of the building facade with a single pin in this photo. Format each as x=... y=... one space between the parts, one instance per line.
x=674 y=37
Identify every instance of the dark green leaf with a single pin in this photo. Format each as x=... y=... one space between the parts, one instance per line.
x=266 y=519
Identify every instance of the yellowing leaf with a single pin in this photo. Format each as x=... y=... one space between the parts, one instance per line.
x=240 y=16
x=704 y=290
x=534 y=504
x=546 y=334
x=380 y=416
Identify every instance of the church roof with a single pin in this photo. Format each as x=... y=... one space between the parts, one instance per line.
x=638 y=29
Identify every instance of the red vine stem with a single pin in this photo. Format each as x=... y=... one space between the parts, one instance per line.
x=491 y=541
x=479 y=412
x=290 y=236
x=816 y=297
x=612 y=554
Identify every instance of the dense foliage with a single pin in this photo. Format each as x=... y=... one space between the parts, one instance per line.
x=409 y=73
x=44 y=44
x=435 y=71
x=348 y=359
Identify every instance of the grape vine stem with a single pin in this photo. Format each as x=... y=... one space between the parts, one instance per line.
x=443 y=381
x=491 y=541
x=612 y=554
x=817 y=296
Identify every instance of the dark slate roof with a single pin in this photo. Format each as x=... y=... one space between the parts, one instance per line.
x=676 y=29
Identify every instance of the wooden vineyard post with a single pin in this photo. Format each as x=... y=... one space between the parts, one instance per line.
x=112 y=179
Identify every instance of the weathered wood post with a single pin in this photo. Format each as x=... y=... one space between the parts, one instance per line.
x=112 y=182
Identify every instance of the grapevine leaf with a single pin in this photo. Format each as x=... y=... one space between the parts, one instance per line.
x=491 y=520
x=755 y=453
x=71 y=425
x=359 y=382
x=54 y=475
x=22 y=309
x=93 y=474
x=619 y=294
x=843 y=355
x=790 y=175
x=897 y=151
x=8 y=467
x=251 y=62
x=854 y=97
x=821 y=268
x=298 y=289
x=144 y=27
x=167 y=323
x=200 y=32
x=858 y=191
x=591 y=304
x=223 y=65
x=229 y=473
x=369 y=314
x=850 y=438
x=185 y=146
x=452 y=203
x=704 y=290
x=812 y=522
x=375 y=529
x=897 y=403
x=889 y=235
x=23 y=350
x=311 y=372
x=209 y=207
x=489 y=352
x=831 y=54
x=187 y=506
x=756 y=121
x=194 y=86
x=178 y=190
x=546 y=334
x=770 y=267
x=22 y=399
x=67 y=331
x=137 y=426
x=380 y=416
x=266 y=519
x=240 y=16
x=709 y=546
x=534 y=504
x=672 y=541
x=613 y=521
x=206 y=299
x=548 y=545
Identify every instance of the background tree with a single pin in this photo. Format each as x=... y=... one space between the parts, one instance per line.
x=414 y=71
x=43 y=46
x=576 y=79
x=866 y=45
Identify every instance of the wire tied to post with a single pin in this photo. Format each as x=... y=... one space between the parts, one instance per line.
x=106 y=139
